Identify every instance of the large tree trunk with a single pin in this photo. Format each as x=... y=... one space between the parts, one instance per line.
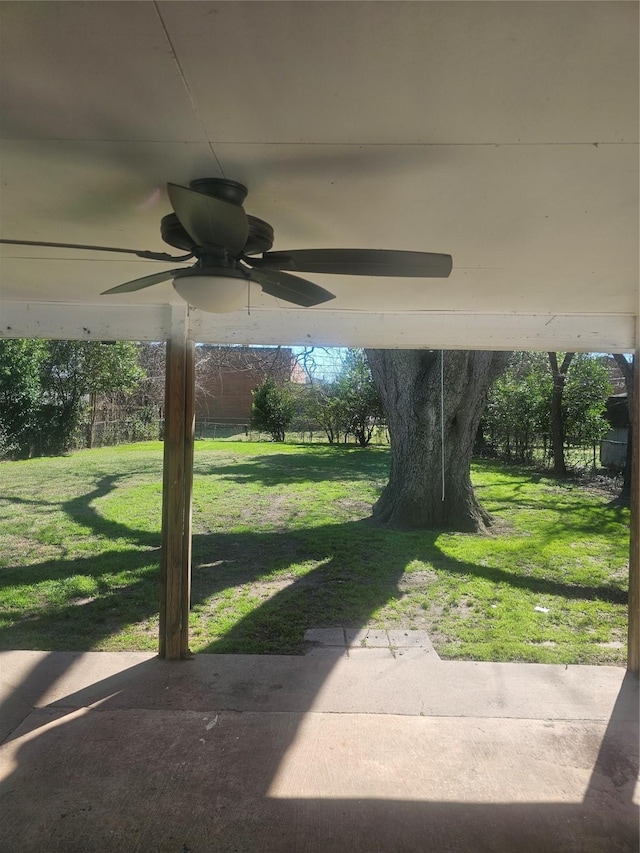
x=557 y=418
x=422 y=492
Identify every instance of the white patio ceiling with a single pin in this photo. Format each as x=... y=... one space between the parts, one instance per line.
x=503 y=133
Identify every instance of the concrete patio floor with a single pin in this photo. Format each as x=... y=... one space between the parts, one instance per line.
x=345 y=749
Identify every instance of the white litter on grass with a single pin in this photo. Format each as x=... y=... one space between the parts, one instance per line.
x=541 y=609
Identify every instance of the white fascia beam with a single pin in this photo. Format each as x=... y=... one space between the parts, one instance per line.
x=74 y=322
x=321 y=327
x=420 y=330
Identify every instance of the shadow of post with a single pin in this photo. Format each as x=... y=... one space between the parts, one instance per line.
x=616 y=767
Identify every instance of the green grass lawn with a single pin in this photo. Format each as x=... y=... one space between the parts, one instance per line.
x=281 y=544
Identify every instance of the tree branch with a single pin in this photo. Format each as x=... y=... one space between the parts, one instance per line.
x=626 y=368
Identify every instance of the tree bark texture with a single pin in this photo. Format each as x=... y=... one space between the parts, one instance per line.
x=557 y=418
x=409 y=382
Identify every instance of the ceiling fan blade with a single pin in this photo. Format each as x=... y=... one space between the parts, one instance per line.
x=209 y=221
x=385 y=262
x=141 y=253
x=141 y=283
x=291 y=288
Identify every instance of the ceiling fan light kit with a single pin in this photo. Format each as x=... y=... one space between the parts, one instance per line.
x=214 y=291
x=210 y=224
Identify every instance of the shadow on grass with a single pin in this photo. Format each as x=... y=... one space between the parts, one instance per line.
x=277 y=469
x=355 y=570
x=345 y=590
x=82 y=511
x=566 y=516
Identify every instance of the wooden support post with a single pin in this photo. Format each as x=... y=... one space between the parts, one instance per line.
x=189 y=438
x=175 y=566
x=633 y=654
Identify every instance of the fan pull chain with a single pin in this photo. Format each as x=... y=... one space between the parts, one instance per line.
x=249 y=298
x=442 y=417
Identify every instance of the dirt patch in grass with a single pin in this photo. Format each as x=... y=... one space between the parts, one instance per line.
x=355 y=508
x=417 y=580
x=599 y=485
x=272 y=513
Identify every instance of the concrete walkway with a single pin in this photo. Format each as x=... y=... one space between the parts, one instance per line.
x=395 y=641
x=346 y=749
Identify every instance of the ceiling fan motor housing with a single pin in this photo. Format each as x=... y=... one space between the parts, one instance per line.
x=225 y=190
x=260 y=237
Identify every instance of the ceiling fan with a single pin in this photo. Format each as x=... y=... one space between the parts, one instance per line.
x=232 y=249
